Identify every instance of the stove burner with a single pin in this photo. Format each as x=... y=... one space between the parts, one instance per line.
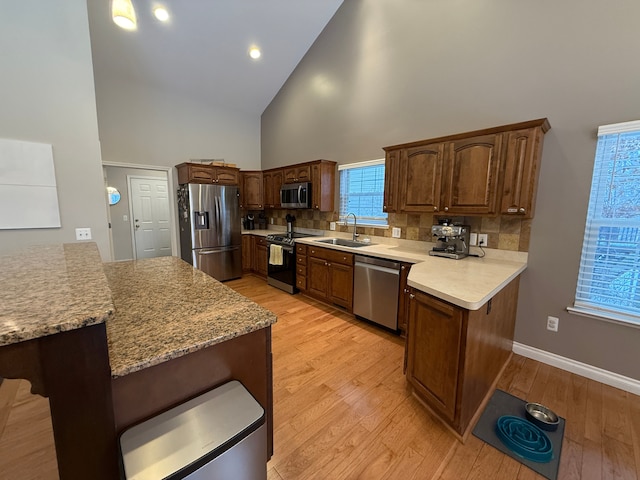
x=524 y=438
x=286 y=238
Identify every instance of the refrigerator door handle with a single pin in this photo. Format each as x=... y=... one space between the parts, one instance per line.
x=205 y=251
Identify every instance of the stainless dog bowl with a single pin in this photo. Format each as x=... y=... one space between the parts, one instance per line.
x=542 y=417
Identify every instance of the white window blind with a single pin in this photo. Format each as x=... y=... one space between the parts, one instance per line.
x=609 y=276
x=362 y=192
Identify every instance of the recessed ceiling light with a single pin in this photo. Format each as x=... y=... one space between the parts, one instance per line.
x=161 y=14
x=255 y=53
x=123 y=14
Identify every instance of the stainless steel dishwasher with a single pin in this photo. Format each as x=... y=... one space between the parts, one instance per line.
x=375 y=290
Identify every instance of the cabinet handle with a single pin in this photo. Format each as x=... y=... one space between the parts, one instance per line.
x=402 y=267
x=446 y=209
x=435 y=209
x=328 y=264
x=384 y=207
x=522 y=210
x=412 y=296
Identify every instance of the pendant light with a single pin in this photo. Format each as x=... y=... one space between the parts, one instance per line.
x=123 y=14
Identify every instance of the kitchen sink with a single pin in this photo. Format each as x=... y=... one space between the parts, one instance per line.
x=343 y=242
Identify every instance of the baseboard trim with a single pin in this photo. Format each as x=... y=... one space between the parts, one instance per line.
x=594 y=373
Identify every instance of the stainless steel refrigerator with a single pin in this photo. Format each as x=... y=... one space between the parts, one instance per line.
x=210 y=229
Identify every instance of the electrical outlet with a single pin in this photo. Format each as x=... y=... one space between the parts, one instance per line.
x=125 y=218
x=395 y=232
x=332 y=225
x=83 y=234
x=483 y=239
x=552 y=323
x=473 y=239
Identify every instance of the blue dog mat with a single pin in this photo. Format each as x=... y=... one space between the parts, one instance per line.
x=503 y=404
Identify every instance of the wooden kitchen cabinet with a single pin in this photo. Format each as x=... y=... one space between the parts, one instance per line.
x=330 y=276
x=260 y=257
x=297 y=173
x=323 y=182
x=201 y=173
x=403 y=300
x=251 y=190
x=484 y=172
x=421 y=178
x=272 y=182
x=455 y=356
x=247 y=253
x=521 y=170
x=301 y=267
x=471 y=175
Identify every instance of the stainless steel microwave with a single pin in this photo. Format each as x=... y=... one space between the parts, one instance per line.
x=295 y=195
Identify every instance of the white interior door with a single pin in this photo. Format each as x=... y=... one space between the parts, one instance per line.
x=150 y=216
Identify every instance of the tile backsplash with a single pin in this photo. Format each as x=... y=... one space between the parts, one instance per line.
x=505 y=232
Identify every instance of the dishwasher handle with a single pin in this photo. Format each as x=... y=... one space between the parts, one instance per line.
x=370 y=266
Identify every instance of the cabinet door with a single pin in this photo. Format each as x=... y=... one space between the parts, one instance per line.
x=341 y=285
x=434 y=342
x=297 y=173
x=403 y=301
x=227 y=176
x=259 y=255
x=252 y=191
x=391 y=181
x=421 y=178
x=247 y=253
x=272 y=183
x=471 y=178
x=522 y=158
x=317 y=276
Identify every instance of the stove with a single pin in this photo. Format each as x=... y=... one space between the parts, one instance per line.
x=281 y=260
x=286 y=238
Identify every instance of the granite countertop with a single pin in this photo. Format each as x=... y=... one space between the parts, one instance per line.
x=468 y=283
x=165 y=309
x=51 y=289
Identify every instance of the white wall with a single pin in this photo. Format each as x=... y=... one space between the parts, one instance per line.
x=47 y=95
x=140 y=124
x=385 y=72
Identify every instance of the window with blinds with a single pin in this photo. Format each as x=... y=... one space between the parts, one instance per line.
x=609 y=276
x=362 y=192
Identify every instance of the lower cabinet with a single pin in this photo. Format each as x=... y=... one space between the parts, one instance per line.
x=301 y=267
x=247 y=253
x=329 y=276
x=455 y=356
x=259 y=245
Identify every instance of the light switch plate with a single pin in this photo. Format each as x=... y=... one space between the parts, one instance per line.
x=473 y=239
x=395 y=232
x=332 y=225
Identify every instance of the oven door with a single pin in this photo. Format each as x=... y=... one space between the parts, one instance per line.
x=282 y=274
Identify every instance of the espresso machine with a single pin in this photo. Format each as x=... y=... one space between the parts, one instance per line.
x=452 y=240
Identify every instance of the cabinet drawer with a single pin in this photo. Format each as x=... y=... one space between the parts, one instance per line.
x=301 y=270
x=334 y=256
x=301 y=282
x=301 y=259
x=301 y=249
x=261 y=241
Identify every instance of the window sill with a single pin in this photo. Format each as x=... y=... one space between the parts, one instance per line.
x=368 y=225
x=605 y=317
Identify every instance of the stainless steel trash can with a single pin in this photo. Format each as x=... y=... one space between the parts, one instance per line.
x=220 y=434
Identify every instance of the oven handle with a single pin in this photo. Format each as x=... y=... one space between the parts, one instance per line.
x=286 y=249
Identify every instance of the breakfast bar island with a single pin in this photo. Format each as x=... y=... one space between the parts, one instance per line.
x=114 y=344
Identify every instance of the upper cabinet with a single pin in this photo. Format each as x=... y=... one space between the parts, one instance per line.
x=297 y=173
x=272 y=182
x=251 y=190
x=202 y=173
x=261 y=189
x=478 y=173
x=323 y=184
x=521 y=169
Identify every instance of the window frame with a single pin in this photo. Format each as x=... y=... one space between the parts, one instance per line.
x=363 y=223
x=595 y=237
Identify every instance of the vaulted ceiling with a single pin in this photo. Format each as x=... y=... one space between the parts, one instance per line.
x=203 y=49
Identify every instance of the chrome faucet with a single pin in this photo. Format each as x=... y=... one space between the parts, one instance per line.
x=355 y=222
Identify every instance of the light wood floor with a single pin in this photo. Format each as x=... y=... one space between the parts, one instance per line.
x=342 y=410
